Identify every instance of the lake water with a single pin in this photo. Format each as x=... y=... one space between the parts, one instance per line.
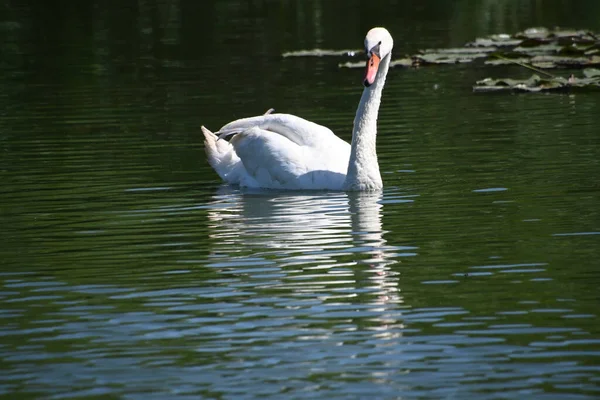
x=129 y=271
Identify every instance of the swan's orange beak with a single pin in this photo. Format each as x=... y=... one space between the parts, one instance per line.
x=371 y=71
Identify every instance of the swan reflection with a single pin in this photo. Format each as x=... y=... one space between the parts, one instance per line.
x=330 y=245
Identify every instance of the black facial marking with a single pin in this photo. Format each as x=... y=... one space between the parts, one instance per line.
x=375 y=50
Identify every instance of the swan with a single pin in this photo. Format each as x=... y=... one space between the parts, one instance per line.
x=283 y=151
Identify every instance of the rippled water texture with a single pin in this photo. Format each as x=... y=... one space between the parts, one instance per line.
x=129 y=271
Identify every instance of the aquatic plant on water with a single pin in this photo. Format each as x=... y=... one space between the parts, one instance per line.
x=538 y=49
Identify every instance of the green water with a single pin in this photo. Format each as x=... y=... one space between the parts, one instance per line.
x=129 y=271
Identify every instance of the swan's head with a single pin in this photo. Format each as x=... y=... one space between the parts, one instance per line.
x=378 y=44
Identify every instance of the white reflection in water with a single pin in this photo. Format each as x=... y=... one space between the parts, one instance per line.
x=327 y=245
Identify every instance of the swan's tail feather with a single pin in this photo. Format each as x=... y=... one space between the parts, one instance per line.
x=211 y=148
x=220 y=154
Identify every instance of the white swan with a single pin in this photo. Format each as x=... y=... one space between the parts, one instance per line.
x=282 y=151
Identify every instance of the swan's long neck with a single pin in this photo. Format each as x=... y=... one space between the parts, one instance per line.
x=363 y=169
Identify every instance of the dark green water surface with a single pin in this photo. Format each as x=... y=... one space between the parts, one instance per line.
x=129 y=271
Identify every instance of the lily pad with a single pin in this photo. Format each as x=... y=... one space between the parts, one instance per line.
x=549 y=61
x=537 y=48
x=541 y=47
x=432 y=58
x=499 y=40
x=578 y=49
x=352 y=64
x=322 y=53
x=402 y=62
x=460 y=51
x=569 y=33
x=451 y=55
x=535 y=83
x=544 y=48
x=539 y=33
x=507 y=61
x=591 y=73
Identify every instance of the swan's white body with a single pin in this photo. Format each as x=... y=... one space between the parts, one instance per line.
x=282 y=151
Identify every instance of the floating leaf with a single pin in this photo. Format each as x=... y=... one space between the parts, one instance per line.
x=537 y=84
x=533 y=42
x=535 y=48
x=352 y=64
x=568 y=33
x=591 y=73
x=499 y=40
x=448 y=58
x=545 y=48
x=507 y=61
x=574 y=49
x=534 y=33
x=402 y=62
x=460 y=51
x=561 y=61
x=322 y=53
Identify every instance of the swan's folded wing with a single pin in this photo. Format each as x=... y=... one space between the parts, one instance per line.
x=273 y=161
x=285 y=151
x=296 y=129
x=270 y=159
